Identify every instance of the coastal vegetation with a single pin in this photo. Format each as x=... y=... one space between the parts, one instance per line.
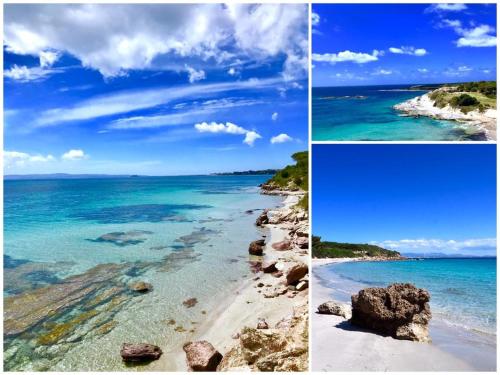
x=466 y=97
x=294 y=177
x=327 y=249
x=248 y=173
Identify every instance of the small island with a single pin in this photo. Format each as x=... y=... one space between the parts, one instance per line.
x=472 y=103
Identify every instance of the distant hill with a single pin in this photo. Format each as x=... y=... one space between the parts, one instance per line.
x=250 y=172
x=326 y=249
x=443 y=255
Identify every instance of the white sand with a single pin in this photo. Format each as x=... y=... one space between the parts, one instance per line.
x=338 y=346
x=244 y=307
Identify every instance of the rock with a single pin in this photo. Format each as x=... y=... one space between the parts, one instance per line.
x=256 y=247
x=260 y=285
x=302 y=242
x=141 y=287
x=295 y=272
x=282 y=245
x=277 y=274
x=140 y=352
x=201 y=356
x=190 y=302
x=400 y=310
x=262 y=324
x=275 y=291
x=335 y=308
x=262 y=219
x=249 y=212
x=302 y=285
x=269 y=267
x=284 y=348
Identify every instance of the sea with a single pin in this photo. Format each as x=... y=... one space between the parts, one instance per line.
x=366 y=113
x=73 y=248
x=463 y=298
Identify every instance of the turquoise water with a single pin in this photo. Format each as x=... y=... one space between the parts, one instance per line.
x=367 y=114
x=187 y=236
x=463 y=291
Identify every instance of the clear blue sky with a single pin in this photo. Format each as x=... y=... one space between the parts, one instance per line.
x=154 y=89
x=413 y=198
x=370 y=44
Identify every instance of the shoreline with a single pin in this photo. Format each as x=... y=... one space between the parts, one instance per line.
x=245 y=305
x=423 y=105
x=444 y=354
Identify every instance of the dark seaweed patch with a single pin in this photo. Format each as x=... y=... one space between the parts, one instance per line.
x=121 y=239
x=9 y=262
x=152 y=213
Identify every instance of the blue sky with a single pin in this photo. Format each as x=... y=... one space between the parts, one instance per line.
x=373 y=44
x=153 y=89
x=411 y=198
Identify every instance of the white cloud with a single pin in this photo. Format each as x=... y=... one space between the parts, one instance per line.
x=423 y=70
x=438 y=245
x=114 y=39
x=464 y=68
x=408 y=50
x=231 y=71
x=477 y=37
x=382 y=72
x=47 y=58
x=20 y=159
x=274 y=116
x=228 y=128
x=132 y=100
x=74 y=155
x=251 y=137
x=195 y=75
x=442 y=7
x=344 y=56
x=25 y=74
x=281 y=138
x=315 y=19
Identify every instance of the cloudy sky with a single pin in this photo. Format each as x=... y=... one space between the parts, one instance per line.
x=153 y=89
x=370 y=44
x=410 y=198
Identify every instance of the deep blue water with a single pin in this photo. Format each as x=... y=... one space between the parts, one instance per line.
x=463 y=291
x=365 y=113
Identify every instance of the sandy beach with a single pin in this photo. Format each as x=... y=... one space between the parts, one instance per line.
x=247 y=304
x=424 y=106
x=338 y=346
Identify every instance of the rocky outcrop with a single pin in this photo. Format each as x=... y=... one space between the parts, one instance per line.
x=283 y=348
x=400 y=310
x=140 y=352
x=201 y=356
x=256 y=247
x=262 y=219
x=335 y=308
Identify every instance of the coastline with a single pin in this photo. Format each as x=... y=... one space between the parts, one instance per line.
x=446 y=353
x=480 y=122
x=245 y=305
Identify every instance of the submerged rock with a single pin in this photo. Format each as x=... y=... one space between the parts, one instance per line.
x=132 y=237
x=201 y=356
x=400 y=310
x=141 y=287
x=335 y=308
x=140 y=352
x=190 y=302
x=256 y=247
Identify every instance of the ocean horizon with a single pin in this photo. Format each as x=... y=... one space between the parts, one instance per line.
x=89 y=239
x=366 y=113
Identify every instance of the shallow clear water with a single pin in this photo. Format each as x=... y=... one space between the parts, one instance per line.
x=463 y=291
x=187 y=236
x=365 y=113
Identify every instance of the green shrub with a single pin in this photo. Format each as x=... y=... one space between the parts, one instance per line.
x=327 y=249
x=464 y=100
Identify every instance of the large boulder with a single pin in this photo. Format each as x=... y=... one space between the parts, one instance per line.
x=400 y=310
x=140 y=352
x=201 y=356
x=282 y=245
x=269 y=267
x=296 y=272
x=335 y=308
x=262 y=219
x=256 y=247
